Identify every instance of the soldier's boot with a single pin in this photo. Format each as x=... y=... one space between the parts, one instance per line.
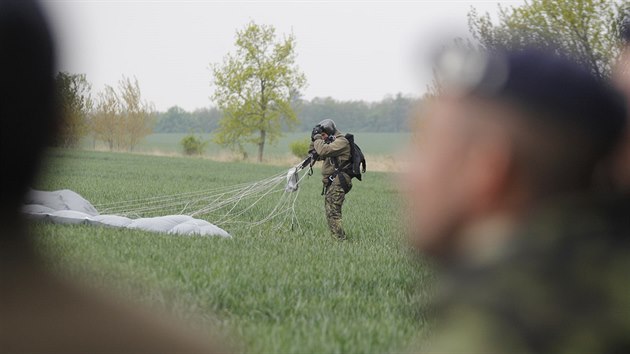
x=336 y=229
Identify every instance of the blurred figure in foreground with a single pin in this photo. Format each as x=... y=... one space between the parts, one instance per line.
x=502 y=197
x=621 y=173
x=39 y=312
x=622 y=69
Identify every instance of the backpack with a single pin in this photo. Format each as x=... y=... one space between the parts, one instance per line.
x=357 y=159
x=354 y=168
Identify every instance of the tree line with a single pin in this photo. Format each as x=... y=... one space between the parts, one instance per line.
x=178 y=120
x=391 y=114
x=118 y=117
x=388 y=115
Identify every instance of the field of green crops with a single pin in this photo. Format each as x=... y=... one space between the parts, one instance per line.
x=272 y=291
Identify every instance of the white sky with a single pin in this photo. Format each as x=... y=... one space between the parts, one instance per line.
x=349 y=50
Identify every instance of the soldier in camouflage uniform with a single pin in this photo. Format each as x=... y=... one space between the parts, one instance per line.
x=330 y=146
x=532 y=258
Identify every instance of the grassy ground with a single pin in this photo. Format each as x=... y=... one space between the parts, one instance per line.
x=275 y=292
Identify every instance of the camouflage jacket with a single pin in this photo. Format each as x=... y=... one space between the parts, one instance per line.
x=561 y=286
x=338 y=149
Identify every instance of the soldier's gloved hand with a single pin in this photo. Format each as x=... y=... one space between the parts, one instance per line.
x=314 y=154
x=316 y=134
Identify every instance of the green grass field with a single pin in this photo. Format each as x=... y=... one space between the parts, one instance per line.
x=272 y=291
x=372 y=144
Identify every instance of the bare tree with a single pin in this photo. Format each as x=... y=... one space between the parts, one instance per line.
x=104 y=123
x=122 y=119
x=138 y=116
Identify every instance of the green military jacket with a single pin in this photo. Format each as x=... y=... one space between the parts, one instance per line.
x=560 y=286
x=338 y=149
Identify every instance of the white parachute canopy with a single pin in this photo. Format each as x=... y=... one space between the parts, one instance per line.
x=68 y=207
x=225 y=206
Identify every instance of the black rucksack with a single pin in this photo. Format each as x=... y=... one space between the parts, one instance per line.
x=354 y=167
x=357 y=159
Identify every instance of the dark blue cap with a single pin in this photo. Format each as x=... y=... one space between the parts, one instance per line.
x=555 y=89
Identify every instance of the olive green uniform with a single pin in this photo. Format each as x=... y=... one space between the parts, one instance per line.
x=339 y=150
x=561 y=286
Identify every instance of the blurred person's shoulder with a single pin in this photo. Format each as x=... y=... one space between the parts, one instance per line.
x=578 y=234
x=561 y=286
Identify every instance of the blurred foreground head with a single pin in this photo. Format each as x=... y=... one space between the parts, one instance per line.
x=509 y=131
x=27 y=108
x=40 y=312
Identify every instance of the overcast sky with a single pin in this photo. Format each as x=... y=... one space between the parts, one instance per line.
x=349 y=50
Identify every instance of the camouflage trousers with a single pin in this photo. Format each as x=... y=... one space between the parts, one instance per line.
x=333 y=203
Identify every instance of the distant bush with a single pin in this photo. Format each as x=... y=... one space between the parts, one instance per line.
x=300 y=147
x=193 y=145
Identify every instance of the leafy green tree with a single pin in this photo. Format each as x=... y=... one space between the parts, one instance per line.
x=76 y=103
x=255 y=87
x=586 y=29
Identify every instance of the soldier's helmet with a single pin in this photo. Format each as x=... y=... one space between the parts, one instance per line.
x=328 y=126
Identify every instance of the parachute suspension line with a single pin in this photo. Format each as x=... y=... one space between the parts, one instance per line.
x=294 y=218
x=234 y=203
x=252 y=191
x=159 y=199
x=183 y=201
x=284 y=206
x=220 y=221
x=290 y=219
x=228 y=205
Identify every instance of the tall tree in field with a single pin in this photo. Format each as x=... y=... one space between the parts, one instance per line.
x=76 y=102
x=105 y=121
x=586 y=29
x=137 y=116
x=255 y=86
